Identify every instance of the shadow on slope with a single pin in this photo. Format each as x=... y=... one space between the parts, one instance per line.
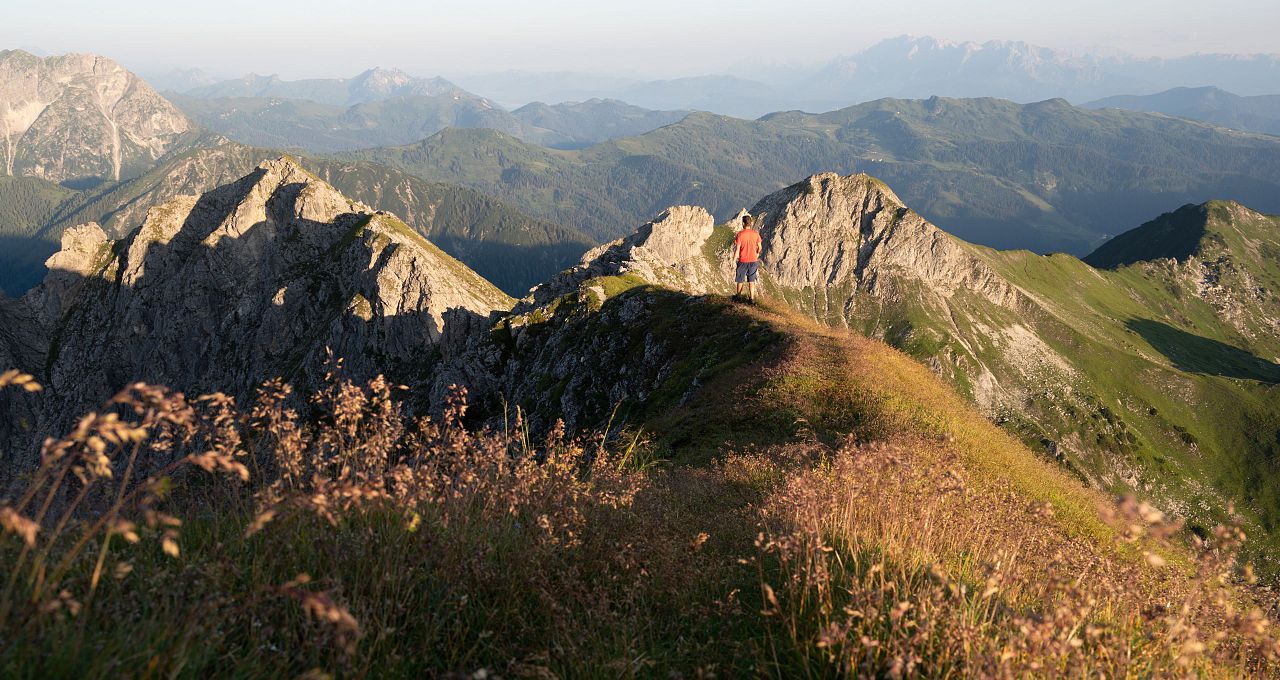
x=1175 y=235
x=1197 y=354
x=512 y=267
x=203 y=314
x=24 y=258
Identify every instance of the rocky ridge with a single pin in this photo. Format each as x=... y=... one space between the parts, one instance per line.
x=255 y=279
x=252 y=280
x=1034 y=340
x=506 y=246
x=1221 y=253
x=80 y=117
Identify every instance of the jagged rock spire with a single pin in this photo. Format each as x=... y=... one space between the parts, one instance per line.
x=250 y=281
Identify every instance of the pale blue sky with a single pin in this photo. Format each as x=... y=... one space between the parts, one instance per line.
x=656 y=38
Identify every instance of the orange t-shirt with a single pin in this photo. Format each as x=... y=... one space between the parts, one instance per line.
x=748 y=241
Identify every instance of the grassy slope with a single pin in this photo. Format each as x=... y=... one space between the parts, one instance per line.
x=674 y=581
x=1159 y=396
x=1199 y=414
x=835 y=384
x=1044 y=176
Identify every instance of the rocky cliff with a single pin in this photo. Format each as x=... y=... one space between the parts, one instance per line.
x=1078 y=361
x=80 y=117
x=844 y=233
x=250 y=281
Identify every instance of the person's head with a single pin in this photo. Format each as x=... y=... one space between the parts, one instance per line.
x=748 y=221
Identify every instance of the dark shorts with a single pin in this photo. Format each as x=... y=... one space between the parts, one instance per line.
x=748 y=272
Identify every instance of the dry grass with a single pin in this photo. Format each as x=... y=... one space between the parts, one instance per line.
x=891 y=533
x=887 y=562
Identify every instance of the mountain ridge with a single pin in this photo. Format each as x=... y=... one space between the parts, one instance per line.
x=1033 y=341
x=324 y=128
x=511 y=248
x=1045 y=176
x=256 y=279
x=80 y=117
x=370 y=85
x=1258 y=113
x=909 y=67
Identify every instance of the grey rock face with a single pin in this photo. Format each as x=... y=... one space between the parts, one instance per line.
x=80 y=116
x=838 y=247
x=667 y=252
x=853 y=232
x=250 y=281
x=576 y=347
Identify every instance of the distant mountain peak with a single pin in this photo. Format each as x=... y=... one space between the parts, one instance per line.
x=374 y=84
x=80 y=117
x=384 y=79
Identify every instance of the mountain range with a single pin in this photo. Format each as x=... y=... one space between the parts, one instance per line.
x=914 y=67
x=375 y=84
x=509 y=247
x=746 y=434
x=1045 y=176
x=254 y=279
x=316 y=127
x=449 y=390
x=905 y=67
x=1259 y=113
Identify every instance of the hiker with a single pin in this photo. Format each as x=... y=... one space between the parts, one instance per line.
x=747 y=244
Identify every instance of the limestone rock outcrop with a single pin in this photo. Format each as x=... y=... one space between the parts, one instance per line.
x=251 y=281
x=853 y=232
x=80 y=117
x=667 y=252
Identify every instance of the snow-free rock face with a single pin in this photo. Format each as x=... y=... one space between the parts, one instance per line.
x=842 y=248
x=596 y=346
x=850 y=232
x=667 y=252
x=79 y=117
x=248 y=282
x=847 y=251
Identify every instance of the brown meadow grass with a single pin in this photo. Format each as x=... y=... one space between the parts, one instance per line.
x=857 y=520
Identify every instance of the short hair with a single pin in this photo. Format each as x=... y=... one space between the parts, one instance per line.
x=748 y=221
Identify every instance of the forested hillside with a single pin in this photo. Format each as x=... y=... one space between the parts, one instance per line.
x=1045 y=176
